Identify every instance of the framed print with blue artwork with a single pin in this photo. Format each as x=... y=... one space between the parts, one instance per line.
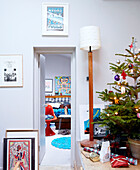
x=63 y=85
x=55 y=19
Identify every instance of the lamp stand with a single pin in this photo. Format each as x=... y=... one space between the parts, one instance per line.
x=91 y=141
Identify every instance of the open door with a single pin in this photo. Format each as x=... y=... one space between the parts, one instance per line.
x=42 y=108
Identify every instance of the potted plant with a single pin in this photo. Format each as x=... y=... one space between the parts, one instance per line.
x=122 y=114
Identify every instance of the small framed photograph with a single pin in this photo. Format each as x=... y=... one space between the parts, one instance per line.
x=49 y=85
x=11 y=71
x=11 y=133
x=99 y=131
x=21 y=151
x=55 y=19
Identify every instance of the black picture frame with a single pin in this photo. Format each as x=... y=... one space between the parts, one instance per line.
x=5 y=151
x=99 y=132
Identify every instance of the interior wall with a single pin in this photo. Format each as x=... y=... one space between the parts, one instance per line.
x=20 y=31
x=57 y=65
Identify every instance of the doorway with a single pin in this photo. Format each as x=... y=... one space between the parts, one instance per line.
x=37 y=107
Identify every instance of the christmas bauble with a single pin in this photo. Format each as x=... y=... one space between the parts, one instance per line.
x=118 y=61
x=138 y=115
x=130 y=66
x=117 y=77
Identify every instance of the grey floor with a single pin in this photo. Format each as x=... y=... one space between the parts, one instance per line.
x=55 y=168
x=56 y=159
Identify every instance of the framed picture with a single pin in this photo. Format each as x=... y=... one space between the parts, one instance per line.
x=26 y=134
x=99 y=131
x=63 y=85
x=55 y=19
x=21 y=151
x=49 y=85
x=11 y=71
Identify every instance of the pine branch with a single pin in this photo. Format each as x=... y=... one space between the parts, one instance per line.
x=130 y=52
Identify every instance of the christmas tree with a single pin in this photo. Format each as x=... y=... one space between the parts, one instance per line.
x=122 y=115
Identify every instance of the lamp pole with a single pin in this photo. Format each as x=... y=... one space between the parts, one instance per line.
x=90 y=67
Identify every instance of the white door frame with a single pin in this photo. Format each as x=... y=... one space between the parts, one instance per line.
x=36 y=89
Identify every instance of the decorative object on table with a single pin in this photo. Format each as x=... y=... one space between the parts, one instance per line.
x=105 y=152
x=132 y=161
x=63 y=85
x=94 y=157
x=26 y=134
x=62 y=143
x=19 y=149
x=55 y=19
x=119 y=161
x=89 y=41
x=128 y=104
x=49 y=85
x=11 y=70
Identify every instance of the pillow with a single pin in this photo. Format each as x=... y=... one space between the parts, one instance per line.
x=48 y=117
x=55 y=105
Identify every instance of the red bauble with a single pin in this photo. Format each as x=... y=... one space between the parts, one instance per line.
x=130 y=66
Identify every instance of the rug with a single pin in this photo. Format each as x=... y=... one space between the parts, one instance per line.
x=62 y=143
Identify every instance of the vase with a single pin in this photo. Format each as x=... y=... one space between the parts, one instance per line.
x=134 y=147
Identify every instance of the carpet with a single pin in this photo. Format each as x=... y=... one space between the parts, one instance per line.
x=62 y=143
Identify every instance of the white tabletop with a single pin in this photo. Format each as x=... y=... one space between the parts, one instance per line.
x=64 y=116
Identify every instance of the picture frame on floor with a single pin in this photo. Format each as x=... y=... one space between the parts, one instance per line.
x=27 y=133
x=55 y=19
x=11 y=70
x=19 y=151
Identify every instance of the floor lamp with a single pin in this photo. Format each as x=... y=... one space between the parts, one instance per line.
x=89 y=41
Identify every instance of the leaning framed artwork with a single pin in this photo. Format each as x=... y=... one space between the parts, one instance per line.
x=55 y=19
x=11 y=70
x=27 y=133
x=49 y=85
x=19 y=151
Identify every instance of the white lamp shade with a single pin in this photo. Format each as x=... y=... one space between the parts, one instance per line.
x=90 y=36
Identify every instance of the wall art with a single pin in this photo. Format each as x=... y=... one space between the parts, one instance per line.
x=33 y=133
x=55 y=19
x=63 y=85
x=49 y=85
x=19 y=150
x=11 y=71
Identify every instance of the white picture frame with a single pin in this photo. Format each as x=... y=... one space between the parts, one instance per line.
x=11 y=70
x=55 y=19
x=26 y=133
x=48 y=85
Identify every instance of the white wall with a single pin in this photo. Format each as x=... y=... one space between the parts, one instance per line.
x=57 y=65
x=20 y=31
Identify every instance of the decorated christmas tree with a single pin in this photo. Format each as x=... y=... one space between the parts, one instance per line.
x=122 y=115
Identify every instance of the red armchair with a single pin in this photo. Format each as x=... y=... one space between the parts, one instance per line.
x=50 y=117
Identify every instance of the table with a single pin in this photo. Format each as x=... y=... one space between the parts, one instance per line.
x=87 y=164
x=63 y=117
